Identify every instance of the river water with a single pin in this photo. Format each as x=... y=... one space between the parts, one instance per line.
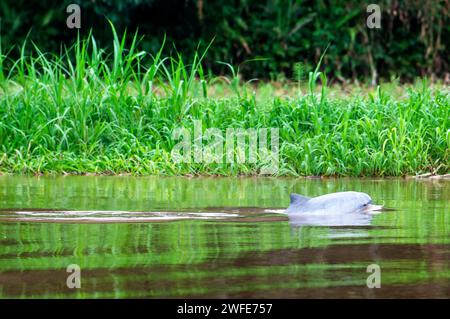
x=153 y=237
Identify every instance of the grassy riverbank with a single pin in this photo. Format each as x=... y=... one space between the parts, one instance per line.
x=91 y=111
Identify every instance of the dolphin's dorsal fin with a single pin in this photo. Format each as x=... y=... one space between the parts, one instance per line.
x=298 y=199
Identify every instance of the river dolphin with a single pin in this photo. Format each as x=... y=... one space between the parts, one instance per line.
x=342 y=208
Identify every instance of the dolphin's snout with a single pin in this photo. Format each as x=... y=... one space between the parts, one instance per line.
x=371 y=208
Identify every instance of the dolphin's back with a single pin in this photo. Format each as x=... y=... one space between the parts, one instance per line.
x=299 y=199
x=298 y=202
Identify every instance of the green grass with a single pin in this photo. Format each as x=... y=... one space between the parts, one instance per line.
x=88 y=110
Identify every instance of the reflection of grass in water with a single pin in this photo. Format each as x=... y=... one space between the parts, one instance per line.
x=188 y=255
x=228 y=280
x=120 y=245
x=194 y=282
x=156 y=251
x=152 y=193
x=189 y=242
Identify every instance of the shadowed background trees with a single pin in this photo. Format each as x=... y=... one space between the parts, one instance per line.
x=288 y=35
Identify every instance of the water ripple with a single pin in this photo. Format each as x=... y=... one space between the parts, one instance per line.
x=111 y=216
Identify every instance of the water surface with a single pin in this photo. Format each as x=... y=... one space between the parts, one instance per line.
x=141 y=237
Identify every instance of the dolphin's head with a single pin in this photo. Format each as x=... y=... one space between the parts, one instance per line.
x=345 y=202
x=362 y=200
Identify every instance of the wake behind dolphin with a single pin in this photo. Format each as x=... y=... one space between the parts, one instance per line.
x=335 y=209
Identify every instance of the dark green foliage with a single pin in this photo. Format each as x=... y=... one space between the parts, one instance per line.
x=412 y=41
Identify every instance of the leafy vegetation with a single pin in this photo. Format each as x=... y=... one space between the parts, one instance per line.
x=89 y=110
